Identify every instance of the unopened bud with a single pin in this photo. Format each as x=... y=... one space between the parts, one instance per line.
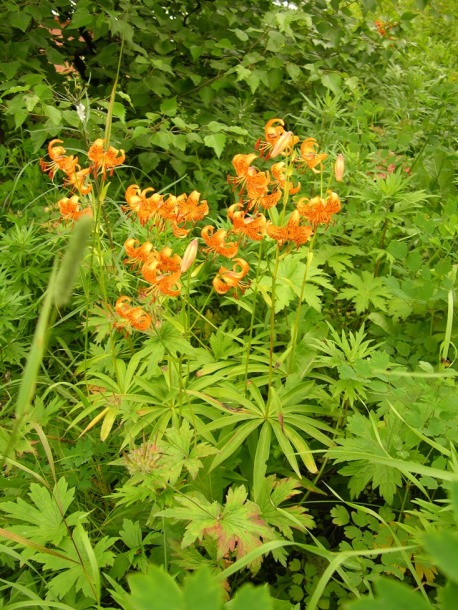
x=339 y=168
x=190 y=255
x=282 y=143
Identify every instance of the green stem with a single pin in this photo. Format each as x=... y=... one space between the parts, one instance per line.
x=253 y=311
x=272 y=319
x=295 y=328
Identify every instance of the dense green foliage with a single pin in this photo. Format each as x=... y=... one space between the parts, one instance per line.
x=295 y=427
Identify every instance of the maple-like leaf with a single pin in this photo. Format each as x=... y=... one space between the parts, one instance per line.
x=237 y=527
x=77 y=573
x=42 y=520
x=276 y=491
x=366 y=443
x=184 y=451
x=366 y=289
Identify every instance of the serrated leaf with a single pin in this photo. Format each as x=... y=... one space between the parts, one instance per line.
x=172 y=340
x=340 y=515
x=79 y=576
x=236 y=527
x=366 y=290
x=43 y=523
x=275 y=492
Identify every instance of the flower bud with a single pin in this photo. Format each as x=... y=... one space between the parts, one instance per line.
x=339 y=168
x=190 y=255
x=281 y=144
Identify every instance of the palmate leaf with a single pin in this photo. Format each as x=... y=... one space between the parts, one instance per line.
x=184 y=452
x=289 y=281
x=77 y=575
x=275 y=492
x=366 y=290
x=41 y=521
x=364 y=471
x=236 y=527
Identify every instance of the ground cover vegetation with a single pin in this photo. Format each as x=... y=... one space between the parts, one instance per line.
x=228 y=274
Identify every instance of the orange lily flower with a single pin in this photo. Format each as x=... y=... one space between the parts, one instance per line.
x=227 y=279
x=145 y=207
x=317 y=210
x=135 y=317
x=105 y=159
x=166 y=283
x=242 y=164
x=309 y=157
x=59 y=160
x=77 y=180
x=253 y=227
x=215 y=242
x=70 y=208
x=136 y=253
x=190 y=210
x=275 y=134
x=162 y=271
x=293 y=231
x=270 y=200
x=257 y=184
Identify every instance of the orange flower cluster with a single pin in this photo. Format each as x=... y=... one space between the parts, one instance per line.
x=76 y=177
x=319 y=211
x=259 y=189
x=131 y=317
x=161 y=269
x=70 y=208
x=178 y=211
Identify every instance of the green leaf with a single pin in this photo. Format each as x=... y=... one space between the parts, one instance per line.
x=54 y=114
x=235 y=528
x=43 y=522
x=391 y=595
x=80 y=576
x=217 y=141
x=443 y=547
x=340 y=515
x=80 y=18
x=448 y=596
x=294 y=71
x=260 y=459
x=366 y=290
x=20 y=20
x=169 y=107
x=202 y=591
x=172 y=340
x=251 y=598
x=155 y=590
x=332 y=81
x=236 y=440
x=275 y=492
